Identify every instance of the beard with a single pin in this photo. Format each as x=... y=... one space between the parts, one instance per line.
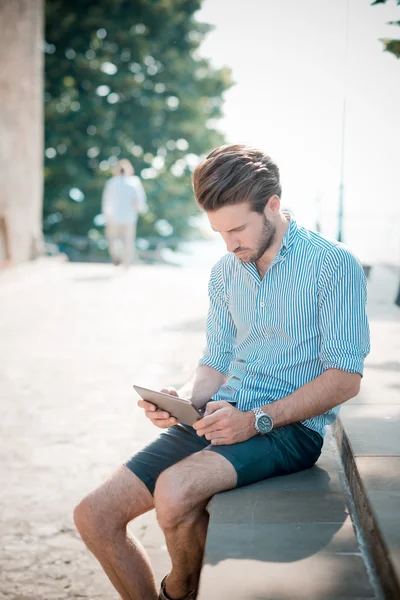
x=265 y=241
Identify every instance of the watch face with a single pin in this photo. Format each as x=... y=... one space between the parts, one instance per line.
x=264 y=424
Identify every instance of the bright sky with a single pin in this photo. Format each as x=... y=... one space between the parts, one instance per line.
x=287 y=59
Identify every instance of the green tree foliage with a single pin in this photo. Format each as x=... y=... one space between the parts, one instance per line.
x=124 y=80
x=391 y=45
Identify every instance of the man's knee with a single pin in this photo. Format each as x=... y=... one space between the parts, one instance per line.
x=173 y=501
x=107 y=510
x=92 y=522
x=84 y=516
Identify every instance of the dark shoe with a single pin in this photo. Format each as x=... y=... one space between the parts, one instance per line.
x=163 y=594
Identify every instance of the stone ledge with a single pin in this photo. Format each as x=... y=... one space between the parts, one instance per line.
x=380 y=524
x=284 y=538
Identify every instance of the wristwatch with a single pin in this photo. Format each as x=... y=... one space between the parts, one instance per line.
x=263 y=423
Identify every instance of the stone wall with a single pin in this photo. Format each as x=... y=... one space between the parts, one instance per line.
x=21 y=128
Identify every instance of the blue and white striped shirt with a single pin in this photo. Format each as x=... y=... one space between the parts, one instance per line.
x=273 y=335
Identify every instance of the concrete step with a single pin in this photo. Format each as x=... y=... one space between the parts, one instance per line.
x=286 y=538
x=368 y=434
x=370 y=448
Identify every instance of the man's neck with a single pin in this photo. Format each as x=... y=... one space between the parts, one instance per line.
x=265 y=261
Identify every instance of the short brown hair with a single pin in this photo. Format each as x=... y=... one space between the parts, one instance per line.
x=233 y=174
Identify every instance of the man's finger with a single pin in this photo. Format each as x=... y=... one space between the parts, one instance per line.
x=170 y=390
x=214 y=405
x=164 y=422
x=218 y=442
x=207 y=426
x=147 y=405
x=214 y=434
x=206 y=422
x=158 y=414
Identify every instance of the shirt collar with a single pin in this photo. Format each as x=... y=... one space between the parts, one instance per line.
x=291 y=232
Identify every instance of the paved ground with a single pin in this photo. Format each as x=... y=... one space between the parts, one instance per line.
x=73 y=340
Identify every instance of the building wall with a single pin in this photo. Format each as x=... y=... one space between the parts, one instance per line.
x=21 y=128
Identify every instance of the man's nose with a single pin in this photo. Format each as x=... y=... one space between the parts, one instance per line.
x=231 y=244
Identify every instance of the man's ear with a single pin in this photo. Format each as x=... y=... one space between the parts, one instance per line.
x=273 y=204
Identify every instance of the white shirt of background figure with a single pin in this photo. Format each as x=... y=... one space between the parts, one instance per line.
x=123 y=196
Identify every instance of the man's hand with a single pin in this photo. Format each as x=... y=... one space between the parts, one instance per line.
x=160 y=418
x=224 y=424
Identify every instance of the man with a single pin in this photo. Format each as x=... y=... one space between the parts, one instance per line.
x=123 y=199
x=287 y=335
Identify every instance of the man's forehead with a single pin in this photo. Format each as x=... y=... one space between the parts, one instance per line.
x=230 y=217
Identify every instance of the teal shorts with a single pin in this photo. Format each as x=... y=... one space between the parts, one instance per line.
x=282 y=451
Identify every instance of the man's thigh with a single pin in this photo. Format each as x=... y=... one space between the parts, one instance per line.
x=168 y=448
x=285 y=450
x=214 y=469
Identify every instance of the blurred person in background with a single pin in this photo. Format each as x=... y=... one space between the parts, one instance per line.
x=123 y=200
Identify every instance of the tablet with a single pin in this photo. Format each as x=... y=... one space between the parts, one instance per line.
x=183 y=410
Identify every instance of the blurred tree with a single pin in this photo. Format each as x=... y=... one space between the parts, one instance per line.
x=391 y=45
x=124 y=80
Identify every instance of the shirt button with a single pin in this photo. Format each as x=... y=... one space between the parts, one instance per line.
x=266 y=334
x=261 y=303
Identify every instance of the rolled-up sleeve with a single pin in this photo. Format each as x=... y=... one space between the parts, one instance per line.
x=220 y=331
x=343 y=323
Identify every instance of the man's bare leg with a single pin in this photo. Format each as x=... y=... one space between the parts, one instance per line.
x=111 y=235
x=129 y=244
x=185 y=543
x=102 y=519
x=181 y=496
